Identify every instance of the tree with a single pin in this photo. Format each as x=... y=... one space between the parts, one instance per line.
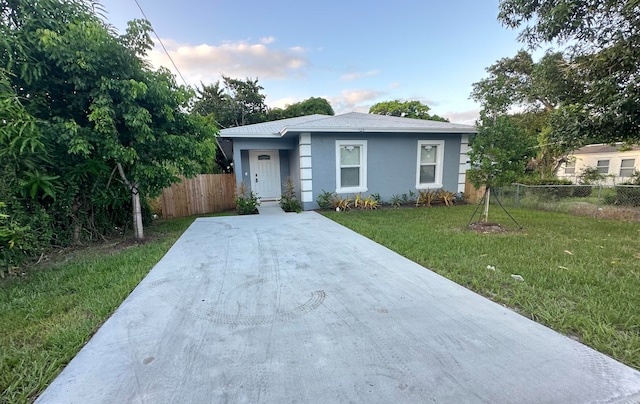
x=407 y=109
x=498 y=154
x=603 y=39
x=310 y=106
x=232 y=102
x=104 y=116
x=537 y=87
x=521 y=82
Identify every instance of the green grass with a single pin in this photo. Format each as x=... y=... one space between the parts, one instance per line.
x=50 y=313
x=581 y=275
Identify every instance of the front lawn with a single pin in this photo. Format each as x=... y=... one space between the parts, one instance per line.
x=50 y=312
x=581 y=275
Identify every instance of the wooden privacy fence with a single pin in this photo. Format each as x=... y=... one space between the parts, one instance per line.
x=206 y=193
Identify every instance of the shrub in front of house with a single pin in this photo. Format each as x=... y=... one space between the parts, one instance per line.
x=289 y=201
x=246 y=201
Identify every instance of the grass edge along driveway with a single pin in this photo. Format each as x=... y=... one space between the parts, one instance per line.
x=581 y=276
x=48 y=315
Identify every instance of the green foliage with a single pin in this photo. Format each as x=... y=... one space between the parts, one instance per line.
x=604 y=38
x=409 y=197
x=232 y=102
x=246 y=201
x=590 y=175
x=324 y=199
x=395 y=201
x=521 y=82
x=289 y=201
x=538 y=87
x=499 y=152
x=310 y=106
x=77 y=100
x=407 y=109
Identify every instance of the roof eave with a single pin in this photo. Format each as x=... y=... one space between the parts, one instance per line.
x=299 y=129
x=380 y=130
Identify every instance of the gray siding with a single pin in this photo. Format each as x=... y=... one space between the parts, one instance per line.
x=294 y=169
x=284 y=168
x=391 y=161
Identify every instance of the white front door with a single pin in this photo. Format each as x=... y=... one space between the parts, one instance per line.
x=265 y=173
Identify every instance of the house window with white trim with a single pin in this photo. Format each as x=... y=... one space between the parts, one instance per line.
x=430 y=163
x=570 y=167
x=603 y=166
x=627 y=167
x=351 y=166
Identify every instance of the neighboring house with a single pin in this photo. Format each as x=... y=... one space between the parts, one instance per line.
x=350 y=154
x=617 y=164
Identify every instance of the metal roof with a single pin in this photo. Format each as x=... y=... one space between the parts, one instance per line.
x=349 y=122
x=603 y=148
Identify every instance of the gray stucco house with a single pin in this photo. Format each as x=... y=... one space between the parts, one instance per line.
x=350 y=154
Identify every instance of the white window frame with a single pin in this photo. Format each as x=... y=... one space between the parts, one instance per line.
x=626 y=169
x=600 y=167
x=570 y=167
x=439 y=164
x=363 y=167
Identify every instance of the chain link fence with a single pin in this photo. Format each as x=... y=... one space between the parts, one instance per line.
x=621 y=202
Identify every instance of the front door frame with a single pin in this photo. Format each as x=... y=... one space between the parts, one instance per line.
x=274 y=179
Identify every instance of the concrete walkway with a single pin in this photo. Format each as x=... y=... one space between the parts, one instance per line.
x=284 y=308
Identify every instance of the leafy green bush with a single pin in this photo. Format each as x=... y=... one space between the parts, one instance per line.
x=246 y=201
x=395 y=201
x=324 y=199
x=289 y=201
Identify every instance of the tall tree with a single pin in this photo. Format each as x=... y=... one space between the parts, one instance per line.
x=407 y=109
x=538 y=88
x=105 y=117
x=603 y=48
x=232 y=102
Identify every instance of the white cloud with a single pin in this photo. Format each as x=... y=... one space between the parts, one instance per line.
x=235 y=59
x=358 y=100
x=468 y=117
x=358 y=75
x=394 y=85
x=283 y=102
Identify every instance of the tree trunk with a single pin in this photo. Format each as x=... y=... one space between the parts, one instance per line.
x=485 y=213
x=138 y=229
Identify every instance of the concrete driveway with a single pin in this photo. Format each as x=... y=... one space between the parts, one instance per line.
x=286 y=308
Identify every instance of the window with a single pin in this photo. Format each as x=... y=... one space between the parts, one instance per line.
x=603 y=166
x=627 y=167
x=570 y=167
x=430 y=159
x=351 y=166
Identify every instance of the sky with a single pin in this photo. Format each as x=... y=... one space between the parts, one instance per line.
x=352 y=53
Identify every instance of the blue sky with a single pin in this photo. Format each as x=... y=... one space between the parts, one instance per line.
x=353 y=53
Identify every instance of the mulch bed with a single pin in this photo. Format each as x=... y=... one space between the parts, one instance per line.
x=487 y=227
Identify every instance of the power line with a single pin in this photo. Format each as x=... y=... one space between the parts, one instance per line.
x=162 y=44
